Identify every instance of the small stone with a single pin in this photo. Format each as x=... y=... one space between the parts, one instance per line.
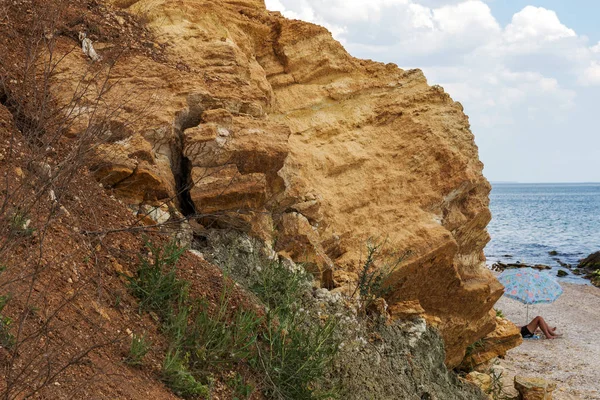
x=100 y=310
x=483 y=381
x=70 y=280
x=534 y=388
x=553 y=253
x=541 y=267
x=197 y=254
x=128 y=332
x=19 y=172
x=561 y=273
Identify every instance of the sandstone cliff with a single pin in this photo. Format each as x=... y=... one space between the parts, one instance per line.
x=245 y=118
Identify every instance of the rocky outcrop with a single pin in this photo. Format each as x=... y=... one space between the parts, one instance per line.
x=244 y=118
x=375 y=371
x=505 y=337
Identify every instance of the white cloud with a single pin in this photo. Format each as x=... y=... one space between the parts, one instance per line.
x=302 y=10
x=536 y=24
x=405 y=25
x=591 y=75
x=464 y=18
x=517 y=82
x=274 y=5
x=442 y=33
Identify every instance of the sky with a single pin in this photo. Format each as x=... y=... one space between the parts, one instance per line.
x=527 y=72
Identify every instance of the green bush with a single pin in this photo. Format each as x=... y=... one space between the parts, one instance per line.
x=156 y=284
x=7 y=340
x=291 y=347
x=280 y=287
x=200 y=339
x=496 y=389
x=213 y=338
x=137 y=350
x=474 y=347
x=295 y=356
x=19 y=224
x=376 y=269
x=178 y=378
x=297 y=347
x=241 y=389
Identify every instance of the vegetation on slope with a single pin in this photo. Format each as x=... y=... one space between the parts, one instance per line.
x=283 y=344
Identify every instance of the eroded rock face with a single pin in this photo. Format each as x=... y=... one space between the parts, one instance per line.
x=267 y=123
x=495 y=344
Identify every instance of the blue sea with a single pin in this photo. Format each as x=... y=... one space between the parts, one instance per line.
x=530 y=220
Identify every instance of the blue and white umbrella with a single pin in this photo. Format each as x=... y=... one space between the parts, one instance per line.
x=529 y=286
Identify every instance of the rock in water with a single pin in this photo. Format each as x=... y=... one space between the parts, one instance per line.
x=591 y=262
x=502 y=266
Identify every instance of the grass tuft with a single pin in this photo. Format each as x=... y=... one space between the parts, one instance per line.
x=19 y=224
x=156 y=284
x=178 y=378
x=298 y=346
x=375 y=271
x=7 y=340
x=137 y=350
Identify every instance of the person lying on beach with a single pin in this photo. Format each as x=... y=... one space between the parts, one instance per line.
x=528 y=330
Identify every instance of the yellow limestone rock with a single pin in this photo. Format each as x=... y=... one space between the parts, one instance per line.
x=483 y=381
x=272 y=123
x=406 y=310
x=534 y=388
x=505 y=337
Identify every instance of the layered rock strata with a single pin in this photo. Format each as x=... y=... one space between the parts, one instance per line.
x=251 y=120
x=506 y=336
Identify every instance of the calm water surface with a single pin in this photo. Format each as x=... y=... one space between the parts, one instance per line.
x=530 y=220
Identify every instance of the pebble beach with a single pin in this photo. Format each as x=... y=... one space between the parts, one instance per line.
x=572 y=361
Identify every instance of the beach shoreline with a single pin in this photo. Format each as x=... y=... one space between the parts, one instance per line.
x=570 y=361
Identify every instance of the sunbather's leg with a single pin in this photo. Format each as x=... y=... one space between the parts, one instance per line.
x=538 y=322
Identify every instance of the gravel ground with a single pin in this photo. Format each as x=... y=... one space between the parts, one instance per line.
x=572 y=361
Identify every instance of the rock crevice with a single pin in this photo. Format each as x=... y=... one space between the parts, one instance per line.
x=275 y=129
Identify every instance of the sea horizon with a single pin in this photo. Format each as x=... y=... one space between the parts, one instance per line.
x=531 y=221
